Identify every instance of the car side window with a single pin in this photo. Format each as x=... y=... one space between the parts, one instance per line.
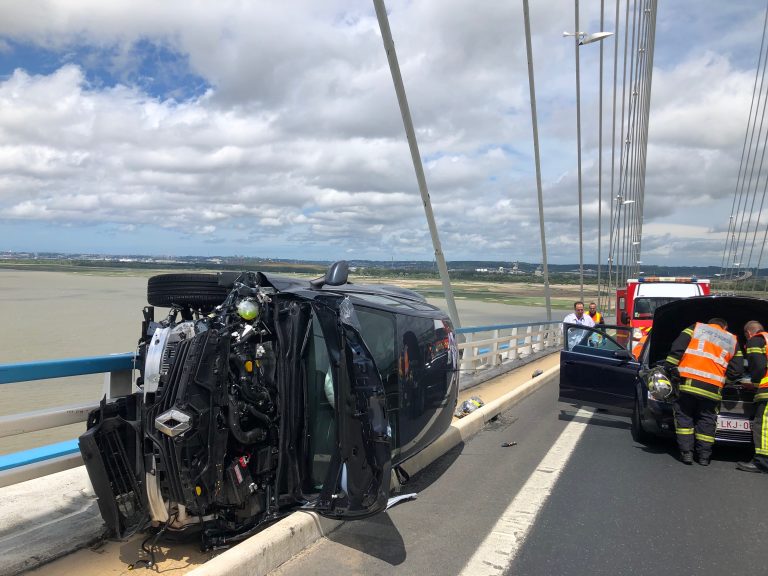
x=596 y=341
x=378 y=331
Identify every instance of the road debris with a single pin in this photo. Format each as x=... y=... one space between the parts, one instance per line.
x=468 y=406
x=508 y=444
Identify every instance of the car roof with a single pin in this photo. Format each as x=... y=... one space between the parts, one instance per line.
x=672 y=318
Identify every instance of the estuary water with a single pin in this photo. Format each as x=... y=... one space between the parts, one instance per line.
x=53 y=315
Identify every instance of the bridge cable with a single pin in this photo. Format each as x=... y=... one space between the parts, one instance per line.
x=611 y=253
x=738 y=217
x=732 y=216
x=620 y=226
x=747 y=215
x=754 y=197
x=645 y=103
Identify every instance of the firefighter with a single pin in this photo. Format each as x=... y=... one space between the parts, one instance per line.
x=703 y=356
x=596 y=316
x=638 y=347
x=757 y=358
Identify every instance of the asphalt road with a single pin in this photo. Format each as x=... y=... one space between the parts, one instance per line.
x=618 y=507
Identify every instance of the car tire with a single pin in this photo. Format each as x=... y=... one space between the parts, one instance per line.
x=197 y=291
x=638 y=432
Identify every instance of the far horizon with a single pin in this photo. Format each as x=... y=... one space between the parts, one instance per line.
x=84 y=255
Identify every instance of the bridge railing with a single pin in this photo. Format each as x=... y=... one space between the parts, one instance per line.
x=483 y=347
x=35 y=462
x=491 y=346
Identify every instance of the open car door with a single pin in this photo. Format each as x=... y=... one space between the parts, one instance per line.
x=595 y=369
x=357 y=482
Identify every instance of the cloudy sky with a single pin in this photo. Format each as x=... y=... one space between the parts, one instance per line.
x=272 y=129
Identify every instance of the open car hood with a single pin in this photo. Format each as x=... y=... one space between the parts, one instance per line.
x=671 y=319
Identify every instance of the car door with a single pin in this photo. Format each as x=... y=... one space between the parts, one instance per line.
x=357 y=482
x=596 y=369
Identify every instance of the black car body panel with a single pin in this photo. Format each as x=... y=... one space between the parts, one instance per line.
x=288 y=393
x=590 y=377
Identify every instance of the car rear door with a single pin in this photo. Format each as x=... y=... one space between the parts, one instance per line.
x=595 y=369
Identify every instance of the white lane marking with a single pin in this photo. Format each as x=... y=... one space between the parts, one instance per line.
x=496 y=553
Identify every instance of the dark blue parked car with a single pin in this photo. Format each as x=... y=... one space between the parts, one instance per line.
x=597 y=369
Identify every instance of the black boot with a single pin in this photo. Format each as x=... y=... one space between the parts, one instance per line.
x=750 y=466
x=703 y=460
x=686 y=457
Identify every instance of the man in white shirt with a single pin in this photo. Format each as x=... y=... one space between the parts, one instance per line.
x=577 y=317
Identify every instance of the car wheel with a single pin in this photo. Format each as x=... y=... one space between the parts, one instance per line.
x=638 y=432
x=198 y=291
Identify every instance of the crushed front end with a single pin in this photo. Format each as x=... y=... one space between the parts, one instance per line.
x=198 y=447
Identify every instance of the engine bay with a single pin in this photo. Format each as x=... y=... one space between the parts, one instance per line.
x=198 y=447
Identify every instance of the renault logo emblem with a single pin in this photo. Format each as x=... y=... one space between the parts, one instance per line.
x=173 y=422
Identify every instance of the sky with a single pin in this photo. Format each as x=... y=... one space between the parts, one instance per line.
x=272 y=130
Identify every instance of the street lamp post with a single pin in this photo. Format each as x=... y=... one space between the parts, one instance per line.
x=581 y=38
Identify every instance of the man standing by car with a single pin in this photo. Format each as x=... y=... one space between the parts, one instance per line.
x=757 y=359
x=596 y=316
x=704 y=356
x=574 y=336
x=578 y=316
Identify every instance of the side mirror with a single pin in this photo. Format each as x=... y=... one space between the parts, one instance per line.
x=337 y=275
x=624 y=318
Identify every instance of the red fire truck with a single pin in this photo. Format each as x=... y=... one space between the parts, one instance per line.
x=636 y=303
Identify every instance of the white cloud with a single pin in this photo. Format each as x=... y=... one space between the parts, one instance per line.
x=296 y=139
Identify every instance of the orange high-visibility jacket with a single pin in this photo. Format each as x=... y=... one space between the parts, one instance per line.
x=708 y=353
x=638 y=347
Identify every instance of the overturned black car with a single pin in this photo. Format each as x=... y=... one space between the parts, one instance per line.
x=258 y=394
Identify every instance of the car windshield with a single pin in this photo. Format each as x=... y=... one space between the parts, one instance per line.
x=646 y=307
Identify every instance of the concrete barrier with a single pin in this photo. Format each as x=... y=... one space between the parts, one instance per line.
x=277 y=544
x=46 y=518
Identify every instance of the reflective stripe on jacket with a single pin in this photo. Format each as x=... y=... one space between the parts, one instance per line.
x=706 y=357
x=762 y=389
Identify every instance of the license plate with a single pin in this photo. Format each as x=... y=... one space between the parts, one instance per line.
x=737 y=424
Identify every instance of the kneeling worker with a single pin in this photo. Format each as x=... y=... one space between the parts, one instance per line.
x=704 y=356
x=757 y=339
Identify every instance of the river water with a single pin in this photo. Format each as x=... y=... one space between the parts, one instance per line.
x=52 y=315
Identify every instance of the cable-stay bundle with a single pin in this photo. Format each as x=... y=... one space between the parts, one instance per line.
x=637 y=32
x=747 y=227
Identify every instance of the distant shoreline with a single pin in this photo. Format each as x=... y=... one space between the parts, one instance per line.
x=522 y=292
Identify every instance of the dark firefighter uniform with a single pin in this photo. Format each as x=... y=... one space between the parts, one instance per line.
x=757 y=358
x=704 y=355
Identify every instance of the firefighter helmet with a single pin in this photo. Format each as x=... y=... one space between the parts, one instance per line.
x=659 y=384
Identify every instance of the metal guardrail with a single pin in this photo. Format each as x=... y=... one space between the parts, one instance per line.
x=491 y=346
x=36 y=462
x=484 y=347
